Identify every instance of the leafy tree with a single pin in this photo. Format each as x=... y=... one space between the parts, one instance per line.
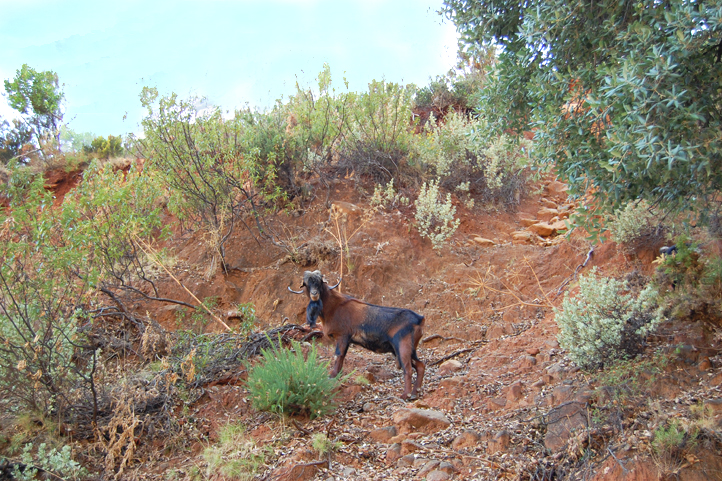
x=219 y=171
x=12 y=139
x=38 y=97
x=105 y=148
x=625 y=96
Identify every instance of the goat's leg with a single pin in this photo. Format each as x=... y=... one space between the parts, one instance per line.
x=403 y=356
x=420 y=368
x=341 y=350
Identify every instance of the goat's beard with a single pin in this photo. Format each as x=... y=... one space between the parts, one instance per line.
x=314 y=309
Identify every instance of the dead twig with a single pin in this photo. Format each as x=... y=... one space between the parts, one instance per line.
x=148 y=250
x=574 y=275
x=301 y=428
x=452 y=355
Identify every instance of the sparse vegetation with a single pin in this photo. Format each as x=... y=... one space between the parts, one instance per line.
x=288 y=382
x=235 y=455
x=605 y=322
x=435 y=218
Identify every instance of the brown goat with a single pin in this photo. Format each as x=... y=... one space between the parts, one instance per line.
x=347 y=320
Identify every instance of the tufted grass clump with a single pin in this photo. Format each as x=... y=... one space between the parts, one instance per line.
x=605 y=322
x=287 y=382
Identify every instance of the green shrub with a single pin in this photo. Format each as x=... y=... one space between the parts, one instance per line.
x=387 y=197
x=690 y=282
x=603 y=322
x=287 y=382
x=435 y=219
x=60 y=463
x=322 y=445
x=105 y=148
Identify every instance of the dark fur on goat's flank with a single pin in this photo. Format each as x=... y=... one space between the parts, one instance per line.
x=347 y=320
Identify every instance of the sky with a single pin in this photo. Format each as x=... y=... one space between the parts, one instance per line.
x=234 y=52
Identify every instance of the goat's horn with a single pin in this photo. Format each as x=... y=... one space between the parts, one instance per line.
x=295 y=292
x=337 y=284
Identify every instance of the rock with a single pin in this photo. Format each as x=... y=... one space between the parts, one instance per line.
x=408 y=446
x=393 y=453
x=538 y=385
x=704 y=364
x=527 y=361
x=369 y=407
x=522 y=237
x=484 y=242
x=495 y=403
x=438 y=476
x=533 y=351
x=527 y=221
x=550 y=204
x=466 y=439
x=450 y=366
x=451 y=382
x=562 y=423
x=300 y=472
x=499 y=442
x=422 y=420
x=552 y=344
x=383 y=435
x=546 y=214
x=562 y=394
x=405 y=461
x=559 y=226
x=542 y=229
x=446 y=467
x=420 y=462
x=345 y=210
x=515 y=392
x=369 y=377
x=557 y=188
x=428 y=467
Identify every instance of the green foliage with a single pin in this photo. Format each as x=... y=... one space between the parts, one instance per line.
x=387 y=197
x=287 y=382
x=322 y=445
x=624 y=95
x=236 y=455
x=73 y=141
x=435 y=219
x=12 y=139
x=603 y=322
x=54 y=261
x=631 y=223
x=37 y=96
x=59 y=463
x=690 y=282
x=105 y=148
x=461 y=154
x=218 y=170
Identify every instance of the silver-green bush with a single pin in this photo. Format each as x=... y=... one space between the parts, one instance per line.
x=605 y=322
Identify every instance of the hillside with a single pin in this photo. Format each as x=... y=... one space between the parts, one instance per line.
x=499 y=401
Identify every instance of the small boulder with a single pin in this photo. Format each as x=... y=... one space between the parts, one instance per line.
x=563 y=421
x=542 y=229
x=522 y=237
x=420 y=420
x=546 y=214
x=466 y=439
x=449 y=367
x=484 y=242
x=408 y=446
x=383 y=435
x=438 y=476
x=428 y=467
x=405 y=461
x=393 y=453
x=515 y=392
x=500 y=442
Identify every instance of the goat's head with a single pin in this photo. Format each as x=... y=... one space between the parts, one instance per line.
x=314 y=284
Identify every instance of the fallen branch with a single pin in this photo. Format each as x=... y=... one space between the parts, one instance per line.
x=574 y=275
x=452 y=355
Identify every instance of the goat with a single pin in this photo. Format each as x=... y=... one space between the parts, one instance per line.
x=379 y=329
